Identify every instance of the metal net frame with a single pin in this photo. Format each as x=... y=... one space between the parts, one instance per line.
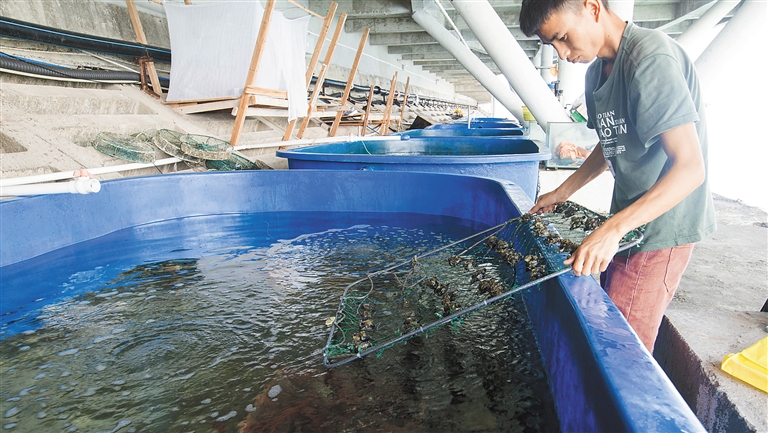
x=236 y=161
x=392 y=305
x=133 y=148
x=169 y=141
x=205 y=147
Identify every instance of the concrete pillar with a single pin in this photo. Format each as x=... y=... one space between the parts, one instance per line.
x=499 y=110
x=499 y=43
x=701 y=33
x=546 y=62
x=571 y=77
x=471 y=63
x=623 y=8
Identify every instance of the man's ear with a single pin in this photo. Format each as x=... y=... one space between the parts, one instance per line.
x=594 y=8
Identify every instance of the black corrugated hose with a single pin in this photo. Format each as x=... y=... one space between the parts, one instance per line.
x=44 y=70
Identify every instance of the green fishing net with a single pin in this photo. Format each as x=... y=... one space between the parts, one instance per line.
x=169 y=141
x=205 y=147
x=441 y=286
x=193 y=149
x=236 y=161
x=133 y=147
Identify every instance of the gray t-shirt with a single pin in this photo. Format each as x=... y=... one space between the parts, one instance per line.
x=652 y=88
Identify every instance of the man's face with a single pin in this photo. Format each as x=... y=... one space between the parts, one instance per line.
x=573 y=33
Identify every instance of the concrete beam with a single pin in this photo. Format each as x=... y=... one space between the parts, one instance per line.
x=654 y=12
x=446 y=69
x=382 y=25
x=414 y=49
x=365 y=8
x=410 y=38
x=385 y=24
x=438 y=55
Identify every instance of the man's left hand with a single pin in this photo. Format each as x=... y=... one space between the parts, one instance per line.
x=596 y=252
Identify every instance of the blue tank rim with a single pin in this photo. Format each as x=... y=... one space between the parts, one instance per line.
x=309 y=153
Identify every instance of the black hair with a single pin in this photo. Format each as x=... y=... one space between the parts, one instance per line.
x=535 y=12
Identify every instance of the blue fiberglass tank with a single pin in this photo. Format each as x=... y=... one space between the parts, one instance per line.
x=600 y=375
x=464 y=132
x=507 y=158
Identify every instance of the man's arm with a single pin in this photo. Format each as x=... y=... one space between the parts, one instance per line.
x=686 y=173
x=591 y=168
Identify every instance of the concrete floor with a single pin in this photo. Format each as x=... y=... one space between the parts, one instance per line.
x=716 y=311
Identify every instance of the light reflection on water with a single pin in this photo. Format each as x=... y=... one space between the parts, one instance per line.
x=222 y=330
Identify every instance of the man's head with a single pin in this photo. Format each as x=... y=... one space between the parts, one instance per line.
x=571 y=26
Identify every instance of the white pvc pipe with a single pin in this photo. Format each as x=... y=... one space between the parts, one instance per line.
x=81 y=185
x=749 y=20
x=50 y=177
x=471 y=63
x=701 y=29
x=571 y=77
x=546 y=62
x=511 y=59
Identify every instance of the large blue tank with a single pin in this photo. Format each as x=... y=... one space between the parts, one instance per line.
x=601 y=376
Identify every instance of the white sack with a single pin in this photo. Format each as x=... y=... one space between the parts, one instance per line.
x=212 y=45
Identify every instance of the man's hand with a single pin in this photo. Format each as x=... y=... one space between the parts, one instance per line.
x=596 y=251
x=547 y=202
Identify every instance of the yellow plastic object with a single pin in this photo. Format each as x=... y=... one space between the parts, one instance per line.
x=750 y=365
x=527 y=115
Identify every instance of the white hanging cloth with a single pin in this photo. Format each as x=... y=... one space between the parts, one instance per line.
x=212 y=45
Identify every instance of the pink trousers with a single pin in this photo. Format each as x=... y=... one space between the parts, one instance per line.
x=642 y=286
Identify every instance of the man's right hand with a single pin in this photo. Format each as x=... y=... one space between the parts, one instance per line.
x=547 y=202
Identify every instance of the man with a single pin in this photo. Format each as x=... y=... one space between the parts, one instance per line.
x=644 y=100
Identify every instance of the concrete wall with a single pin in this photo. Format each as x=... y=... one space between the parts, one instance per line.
x=700 y=390
x=110 y=20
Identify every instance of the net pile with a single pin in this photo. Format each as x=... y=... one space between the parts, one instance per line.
x=193 y=149
x=441 y=286
x=205 y=147
x=134 y=147
x=169 y=141
x=236 y=162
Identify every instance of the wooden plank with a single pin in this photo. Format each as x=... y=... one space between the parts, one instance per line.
x=313 y=60
x=207 y=106
x=142 y=39
x=405 y=103
x=320 y=42
x=254 y=90
x=320 y=80
x=197 y=101
x=255 y=60
x=335 y=39
x=388 y=111
x=350 y=79
x=367 y=112
x=271 y=112
x=306 y=9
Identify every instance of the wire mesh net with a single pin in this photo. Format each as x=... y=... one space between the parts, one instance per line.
x=205 y=147
x=441 y=286
x=134 y=147
x=169 y=141
x=236 y=162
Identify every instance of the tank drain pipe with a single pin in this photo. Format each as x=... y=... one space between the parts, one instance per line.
x=511 y=59
x=471 y=63
x=81 y=185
